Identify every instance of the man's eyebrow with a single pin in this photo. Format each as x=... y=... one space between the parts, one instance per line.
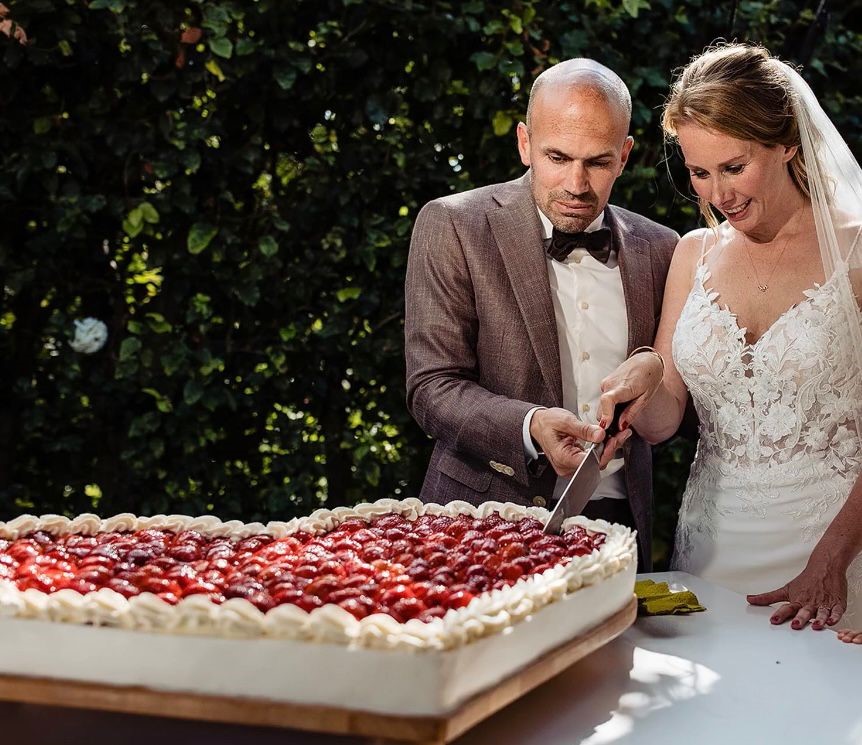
x=597 y=156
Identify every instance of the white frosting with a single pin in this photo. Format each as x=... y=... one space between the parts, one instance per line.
x=487 y=614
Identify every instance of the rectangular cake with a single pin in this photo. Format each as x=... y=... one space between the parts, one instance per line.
x=388 y=607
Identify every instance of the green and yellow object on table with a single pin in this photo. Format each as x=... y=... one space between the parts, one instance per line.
x=657 y=599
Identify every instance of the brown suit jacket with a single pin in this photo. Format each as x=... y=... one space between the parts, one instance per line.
x=482 y=346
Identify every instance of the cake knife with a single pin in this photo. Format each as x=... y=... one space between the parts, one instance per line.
x=584 y=480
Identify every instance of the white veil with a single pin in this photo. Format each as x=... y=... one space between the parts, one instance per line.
x=835 y=183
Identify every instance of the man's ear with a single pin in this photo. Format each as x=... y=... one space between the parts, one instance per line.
x=523 y=143
x=626 y=151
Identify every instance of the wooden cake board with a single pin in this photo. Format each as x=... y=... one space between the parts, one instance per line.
x=378 y=728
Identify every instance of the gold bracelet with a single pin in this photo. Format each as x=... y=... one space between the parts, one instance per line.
x=648 y=349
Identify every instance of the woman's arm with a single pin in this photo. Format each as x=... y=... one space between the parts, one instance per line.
x=657 y=402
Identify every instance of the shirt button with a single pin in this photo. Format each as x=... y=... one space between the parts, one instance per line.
x=585 y=305
x=576 y=259
x=539 y=502
x=585 y=356
x=585 y=408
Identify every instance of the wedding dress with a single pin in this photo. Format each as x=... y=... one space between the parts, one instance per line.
x=778 y=450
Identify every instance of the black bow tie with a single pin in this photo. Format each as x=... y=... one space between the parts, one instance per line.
x=597 y=242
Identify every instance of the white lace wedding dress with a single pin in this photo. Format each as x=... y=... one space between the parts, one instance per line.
x=778 y=451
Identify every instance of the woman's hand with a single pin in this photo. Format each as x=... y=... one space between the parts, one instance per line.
x=818 y=594
x=636 y=380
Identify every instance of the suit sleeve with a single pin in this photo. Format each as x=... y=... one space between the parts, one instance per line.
x=444 y=393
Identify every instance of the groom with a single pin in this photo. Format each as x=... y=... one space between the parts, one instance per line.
x=521 y=297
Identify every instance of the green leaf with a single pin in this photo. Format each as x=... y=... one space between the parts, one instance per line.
x=163 y=403
x=132 y=229
x=632 y=7
x=483 y=60
x=245 y=47
x=213 y=67
x=502 y=123
x=135 y=218
x=42 y=124
x=200 y=236
x=148 y=212
x=144 y=424
x=348 y=293
x=134 y=222
x=158 y=323
x=115 y=6
x=515 y=48
x=221 y=47
x=249 y=294
x=192 y=392
x=511 y=67
x=129 y=348
x=285 y=77
x=268 y=246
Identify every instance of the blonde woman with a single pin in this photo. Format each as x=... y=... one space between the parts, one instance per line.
x=761 y=326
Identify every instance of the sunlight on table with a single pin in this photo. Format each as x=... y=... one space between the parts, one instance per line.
x=668 y=679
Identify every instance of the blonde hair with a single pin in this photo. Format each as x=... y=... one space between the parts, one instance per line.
x=739 y=90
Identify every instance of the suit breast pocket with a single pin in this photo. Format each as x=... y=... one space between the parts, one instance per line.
x=466 y=471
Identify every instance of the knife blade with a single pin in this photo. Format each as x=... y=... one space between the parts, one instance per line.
x=584 y=480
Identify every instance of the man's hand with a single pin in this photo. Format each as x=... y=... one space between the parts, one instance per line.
x=559 y=434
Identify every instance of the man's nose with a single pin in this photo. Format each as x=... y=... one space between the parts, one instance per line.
x=577 y=179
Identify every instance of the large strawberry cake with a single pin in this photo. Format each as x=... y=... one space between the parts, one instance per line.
x=432 y=603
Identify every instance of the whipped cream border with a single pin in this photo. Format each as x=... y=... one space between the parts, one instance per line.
x=487 y=614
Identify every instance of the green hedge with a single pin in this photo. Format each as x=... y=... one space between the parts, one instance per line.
x=230 y=187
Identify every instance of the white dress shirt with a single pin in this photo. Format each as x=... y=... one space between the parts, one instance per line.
x=592 y=327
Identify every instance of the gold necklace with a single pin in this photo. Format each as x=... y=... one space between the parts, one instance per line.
x=764 y=286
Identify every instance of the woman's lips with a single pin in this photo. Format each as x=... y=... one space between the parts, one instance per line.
x=738 y=213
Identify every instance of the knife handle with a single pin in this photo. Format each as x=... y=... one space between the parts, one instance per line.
x=614 y=426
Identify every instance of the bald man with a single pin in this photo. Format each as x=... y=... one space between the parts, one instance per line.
x=521 y=297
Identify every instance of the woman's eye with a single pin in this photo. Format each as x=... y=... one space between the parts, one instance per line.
x=699 y=174
x=735 y=169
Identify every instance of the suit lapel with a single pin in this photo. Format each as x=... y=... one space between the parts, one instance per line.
x=637 y=279
x=518 y=233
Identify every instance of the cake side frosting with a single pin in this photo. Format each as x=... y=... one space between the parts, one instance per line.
x=487 y=614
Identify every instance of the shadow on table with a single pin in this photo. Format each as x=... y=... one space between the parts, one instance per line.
x=568 y=708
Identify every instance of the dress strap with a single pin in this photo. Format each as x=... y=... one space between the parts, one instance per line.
x=704 y=251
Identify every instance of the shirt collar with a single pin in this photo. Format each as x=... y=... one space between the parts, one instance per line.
x=547 y=227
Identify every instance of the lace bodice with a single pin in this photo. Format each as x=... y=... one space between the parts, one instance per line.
x=786 y=402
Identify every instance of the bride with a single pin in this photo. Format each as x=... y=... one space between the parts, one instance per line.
x=761 y=325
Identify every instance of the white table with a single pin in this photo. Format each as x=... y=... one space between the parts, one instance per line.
x=721 y=677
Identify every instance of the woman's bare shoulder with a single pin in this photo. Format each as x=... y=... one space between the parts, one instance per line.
x=691 y=247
